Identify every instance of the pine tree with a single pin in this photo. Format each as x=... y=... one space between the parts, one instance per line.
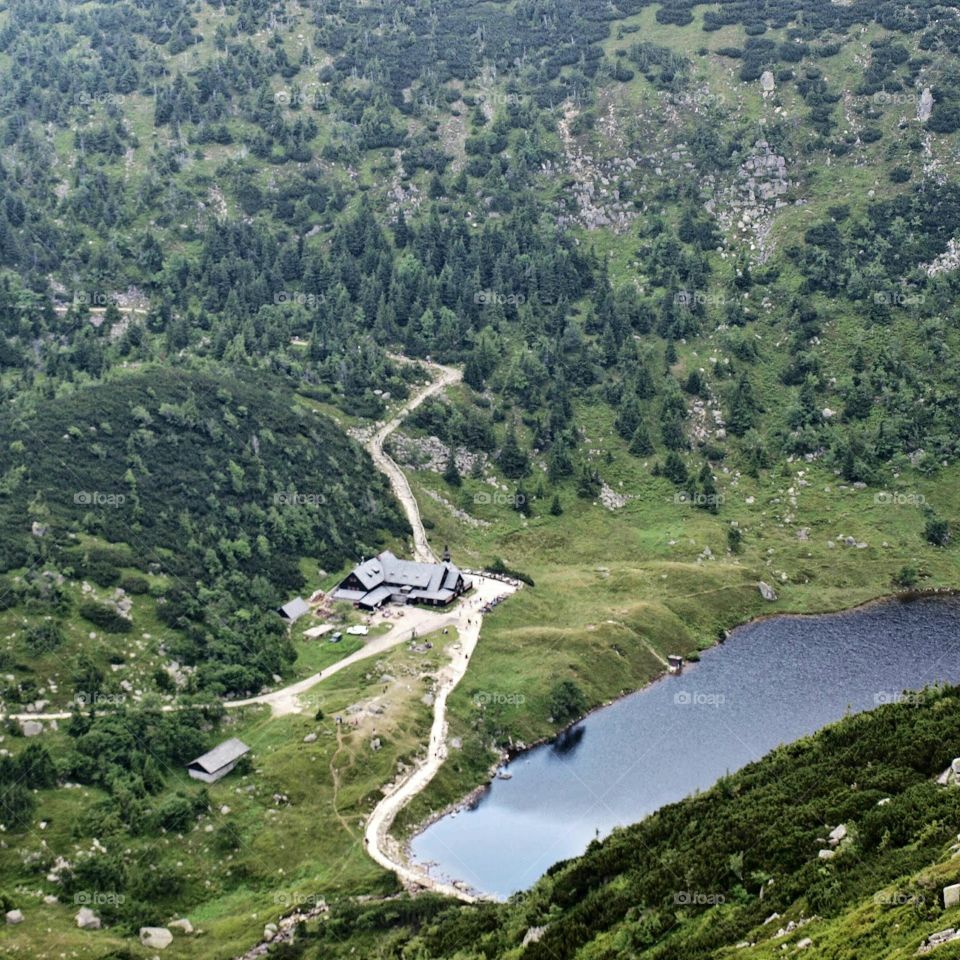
x=640 y=444
x=555 y=508
x=675 y=469
x=512 y=459
x=743 y=408
x=451 y=474
x=708 y=489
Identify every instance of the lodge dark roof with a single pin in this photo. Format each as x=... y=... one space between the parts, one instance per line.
x=385 y=574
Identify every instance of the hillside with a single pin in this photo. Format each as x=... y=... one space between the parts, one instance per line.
x=698 y=264
x=192 y=494
x=737 y=865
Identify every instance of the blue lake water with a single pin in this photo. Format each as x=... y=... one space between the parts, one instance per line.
x=772 y=682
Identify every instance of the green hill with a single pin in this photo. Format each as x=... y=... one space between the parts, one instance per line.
x=200 y=491
x=701 y=876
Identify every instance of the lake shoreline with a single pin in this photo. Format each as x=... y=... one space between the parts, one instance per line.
x=508 y=755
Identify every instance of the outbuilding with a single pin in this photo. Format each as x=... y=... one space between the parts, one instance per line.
x=294 y=610
x=218 y=762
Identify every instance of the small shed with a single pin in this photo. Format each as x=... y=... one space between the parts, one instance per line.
x=294 y=610
x=218 y=762
x=674 y=663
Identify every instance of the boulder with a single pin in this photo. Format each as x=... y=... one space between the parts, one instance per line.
x=826 y=854
x=269 y=932
x=766 y=591
x=310 y=738
x=804 y=943
x=31 y=728
x=87 y=919
x=925 y=105
x=837 y=834
x=767 y=83
x=14 y=916
x=951 y=896
x=182 y=924
x=155 y=938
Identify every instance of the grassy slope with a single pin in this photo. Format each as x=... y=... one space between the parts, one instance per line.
x=293 y=853
x=759 y=829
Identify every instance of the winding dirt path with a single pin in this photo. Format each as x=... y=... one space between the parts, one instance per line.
x=445 y=376
x=384 y=848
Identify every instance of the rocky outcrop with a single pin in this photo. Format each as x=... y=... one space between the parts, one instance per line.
x=925 y=105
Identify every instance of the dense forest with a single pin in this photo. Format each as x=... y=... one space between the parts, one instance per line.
x=219 y=485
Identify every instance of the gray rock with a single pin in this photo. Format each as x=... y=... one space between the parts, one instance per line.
x=14 y=916
x=310 y=738
x=87 y=919
x=155 y=938
x=182 y=924
x=837 y=834
x=766 y=591
x=951 y=896
x=31 y=728
x=767 y=83
x=826 y=854
x=925 y=105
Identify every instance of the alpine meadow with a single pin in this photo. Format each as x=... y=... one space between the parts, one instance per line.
x=479 y=479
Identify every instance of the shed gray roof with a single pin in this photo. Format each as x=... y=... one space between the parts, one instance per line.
x=222 y=754
x=295 y=609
